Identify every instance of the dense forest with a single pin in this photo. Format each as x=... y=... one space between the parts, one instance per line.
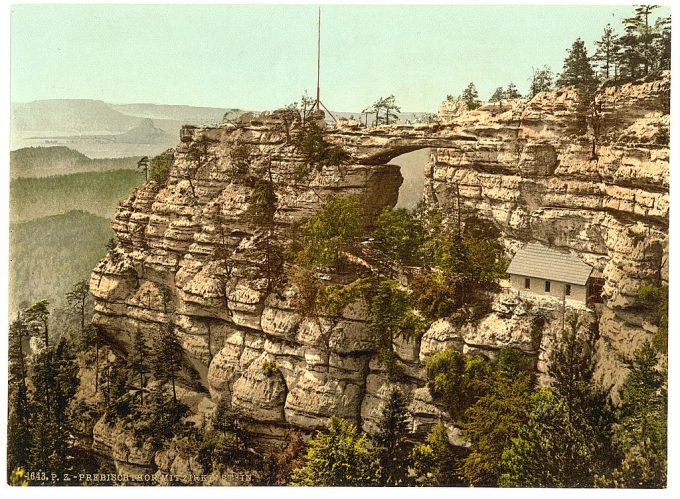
x=48 y=253
x=95 y=192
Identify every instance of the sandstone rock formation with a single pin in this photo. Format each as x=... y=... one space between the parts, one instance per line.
x=188 y=251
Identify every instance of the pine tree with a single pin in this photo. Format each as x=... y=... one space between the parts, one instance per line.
x=18 y=424
x=114 y=391
x=498 y=96
x=567 y=439
x=471 y=97
x=577 y=70
x=541 y=80
x=56 y=372
x=642 y=36
x=642 y=430
x=143 y=166
x=496 y=418
x=553 y=449
x=391 y=108
x=37 y=316
x=376 y=107
x=662 y=43
x=167 y=357
x=511 y=92
x=435 y=462
x=339 y=457
x=77 y=301
x=391 y=444
x=227 y=420
x=139 y=362
x=606 y=52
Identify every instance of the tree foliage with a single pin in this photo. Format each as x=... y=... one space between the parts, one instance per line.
x=606 y=52
x=492 y=422
x=655 y=299
x=316 y=151
x=577 y=70
x=435 y=462
x=159 y=170
x=641 y=432
x=391 y=441
x=459 y=380
x=332 y=231
x=340 y=456
x=469 y=262
x=566 y=441
x=399 y=235
x=471 y=97
x=541 y=80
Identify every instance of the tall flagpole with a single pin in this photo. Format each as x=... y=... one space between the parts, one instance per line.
x=318 y=104
x=318 y=63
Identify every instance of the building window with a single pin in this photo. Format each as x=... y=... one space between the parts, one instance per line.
x=527 y=283
x=547 y=286
x=567 y=289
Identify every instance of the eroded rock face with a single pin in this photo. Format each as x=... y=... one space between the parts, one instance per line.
x=604 y=197
x=189 y=251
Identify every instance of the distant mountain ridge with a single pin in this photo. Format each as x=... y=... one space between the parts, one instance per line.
x=89 y=115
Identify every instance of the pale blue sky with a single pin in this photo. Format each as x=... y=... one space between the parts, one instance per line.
x=263 y=57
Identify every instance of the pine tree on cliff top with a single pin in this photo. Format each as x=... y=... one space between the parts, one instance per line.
x=471 y=97
x=541 y=80
x=498 y=95
x=577 y=70
x=606 y=52
x=511 y=92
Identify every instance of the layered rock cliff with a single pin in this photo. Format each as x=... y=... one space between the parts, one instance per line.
x=188 y=251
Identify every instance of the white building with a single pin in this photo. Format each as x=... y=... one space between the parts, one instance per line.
x=547 y=272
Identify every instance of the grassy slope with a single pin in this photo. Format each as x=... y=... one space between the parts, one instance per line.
x=50 y=254
x=59 y=160
x=96 y=192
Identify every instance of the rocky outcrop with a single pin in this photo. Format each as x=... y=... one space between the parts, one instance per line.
x=189 y=251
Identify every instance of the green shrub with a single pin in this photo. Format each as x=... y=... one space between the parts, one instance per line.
x=433 y=296
x=316 y=151
x=457 y=379
x=398 y=234
x=332 y=231
x=270 y=369
x=159 y=170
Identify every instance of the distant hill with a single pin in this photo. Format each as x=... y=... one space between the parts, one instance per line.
x=100 y=129
x=70 y=116
x=58 y=160
x=50 y=254
x=95 y=192
x=91 y=116
x=185 y=114
x=146 y=133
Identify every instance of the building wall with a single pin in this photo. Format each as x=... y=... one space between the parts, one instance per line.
x=578 y=292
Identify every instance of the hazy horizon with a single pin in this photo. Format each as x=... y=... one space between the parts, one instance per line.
x=264 y=56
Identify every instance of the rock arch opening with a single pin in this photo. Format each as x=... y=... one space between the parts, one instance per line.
x=412 y=165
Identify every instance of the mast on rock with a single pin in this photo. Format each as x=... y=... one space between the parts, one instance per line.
x=317 y=103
